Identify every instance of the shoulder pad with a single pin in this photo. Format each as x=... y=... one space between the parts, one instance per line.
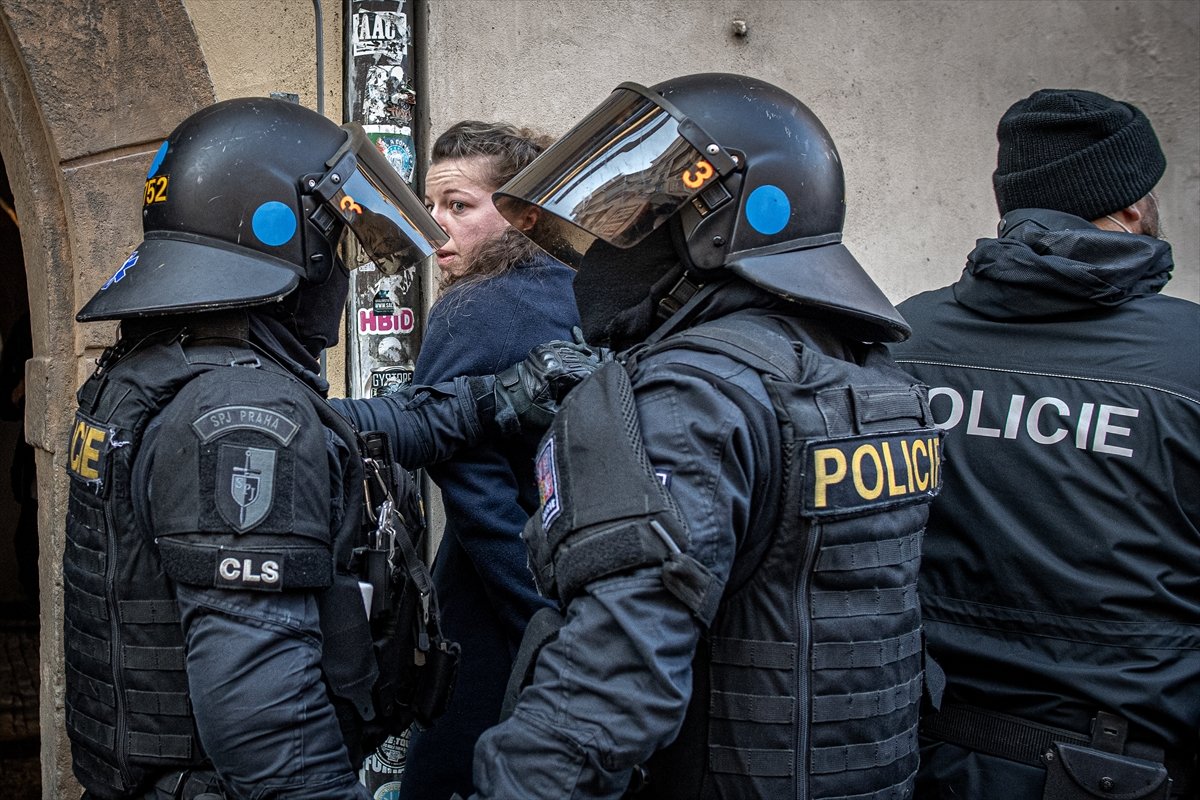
x=240 y=450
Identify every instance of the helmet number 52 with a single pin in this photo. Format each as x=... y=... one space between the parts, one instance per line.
x=156 y=189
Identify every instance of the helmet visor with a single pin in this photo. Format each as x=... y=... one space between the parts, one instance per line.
x=382 y=212
x=617 y=175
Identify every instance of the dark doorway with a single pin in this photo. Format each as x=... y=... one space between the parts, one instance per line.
x=20 y=770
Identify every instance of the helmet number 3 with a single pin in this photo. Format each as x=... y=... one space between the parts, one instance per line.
x=156 y=189
x=348 y=204
x=695 y=178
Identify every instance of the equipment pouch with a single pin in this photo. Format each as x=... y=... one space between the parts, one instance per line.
x=1081 y=773
x=437 y=682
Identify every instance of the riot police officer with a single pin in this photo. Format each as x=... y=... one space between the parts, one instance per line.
x=215 y=497
x=731 y=511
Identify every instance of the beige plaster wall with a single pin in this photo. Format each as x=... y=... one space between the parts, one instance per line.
x=911 y=91
x=255 y=48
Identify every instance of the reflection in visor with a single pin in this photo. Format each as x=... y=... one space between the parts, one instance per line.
x=381 y=227
x=617 y=175
x=388 y=220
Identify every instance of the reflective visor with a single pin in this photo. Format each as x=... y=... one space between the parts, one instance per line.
x=388 y=220
x=617 y=175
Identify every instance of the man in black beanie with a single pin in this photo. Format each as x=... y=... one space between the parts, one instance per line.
x=1060 y=579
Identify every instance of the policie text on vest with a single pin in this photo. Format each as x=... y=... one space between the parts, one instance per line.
x=1044 y=420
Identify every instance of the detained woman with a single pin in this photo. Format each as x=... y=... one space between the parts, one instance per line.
x=500 y=297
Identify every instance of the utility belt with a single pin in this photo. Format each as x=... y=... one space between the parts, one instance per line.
x=1102 y=764
x=417 y=665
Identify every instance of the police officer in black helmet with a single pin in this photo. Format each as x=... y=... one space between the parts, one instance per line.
x=732 y=510
x=214 y=494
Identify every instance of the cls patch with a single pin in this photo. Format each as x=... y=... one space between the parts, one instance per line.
x=245 y=485
x=859 y=473
x=89 y=452
x=246 y=570
x=547 y=480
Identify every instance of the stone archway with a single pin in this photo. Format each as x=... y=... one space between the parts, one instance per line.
x=89 y=89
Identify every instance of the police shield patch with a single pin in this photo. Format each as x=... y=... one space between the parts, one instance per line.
x=547 y=481
x=245 y=485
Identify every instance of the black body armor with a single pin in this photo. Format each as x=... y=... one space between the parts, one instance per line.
x=129 y=715
x=809 y=679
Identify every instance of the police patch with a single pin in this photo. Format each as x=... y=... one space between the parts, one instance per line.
x=89 y=453
x=245 y=485
x=859 y=473
x=244 y=418
x=238 y=569
x=547 y=480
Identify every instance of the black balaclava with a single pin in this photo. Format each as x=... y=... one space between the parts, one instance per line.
x=316 y=310
x=617 y=291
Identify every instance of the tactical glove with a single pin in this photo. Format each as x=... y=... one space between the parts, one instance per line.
x=528 y=393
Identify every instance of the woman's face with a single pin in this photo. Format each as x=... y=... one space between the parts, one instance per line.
x=459 y=195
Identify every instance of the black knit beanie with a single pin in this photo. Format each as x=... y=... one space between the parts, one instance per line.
x=1075 y=151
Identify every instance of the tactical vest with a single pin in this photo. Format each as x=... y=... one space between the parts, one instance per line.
x=129 y=715
x=809 y=678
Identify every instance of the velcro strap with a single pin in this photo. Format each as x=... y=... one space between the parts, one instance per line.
x=748 y=761
x=884 y=405
x=589 y=555
x=88 y=604
x=862 y=705
x=868 y=755
x=94 y=770
x=858 y=655
x=171 y=704
x=92 y=561
x=159 y=745
x=168 y=658
x=768 y=709
x=694 y=585
x=149 y=612
x=196 y=565
x=90 y=646
x=867 y=555
x=754 y=653
x=902 y=789
x=91 y=729
x=865 y=602
x=90 y=687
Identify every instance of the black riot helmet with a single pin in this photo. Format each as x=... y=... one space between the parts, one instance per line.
x=245 y=203
x=746 y=174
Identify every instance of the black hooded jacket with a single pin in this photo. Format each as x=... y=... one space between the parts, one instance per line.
x=1061 y=570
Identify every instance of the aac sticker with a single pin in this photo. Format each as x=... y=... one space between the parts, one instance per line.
x=547 y=480
x=245 y=485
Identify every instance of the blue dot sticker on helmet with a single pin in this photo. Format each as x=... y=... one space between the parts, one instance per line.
x=273 y=223
x=768 y=209
x=158 y=159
